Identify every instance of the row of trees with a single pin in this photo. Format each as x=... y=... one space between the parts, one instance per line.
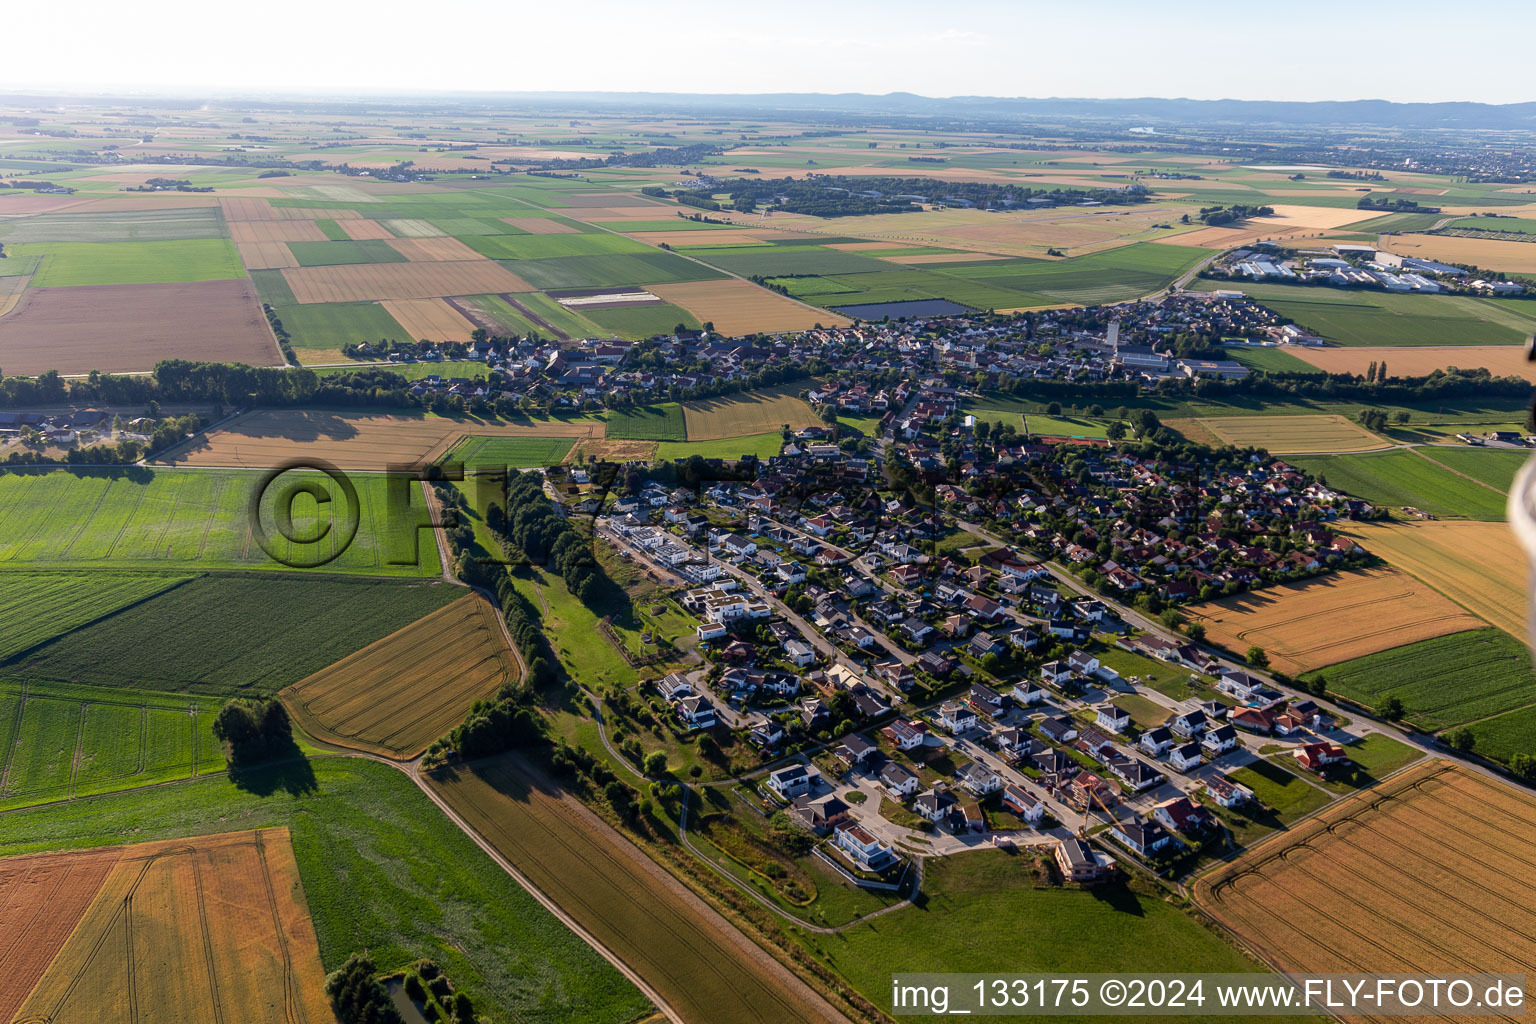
x=533 y=527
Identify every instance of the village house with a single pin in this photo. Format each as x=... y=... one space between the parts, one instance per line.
x=1112 y=718
x=1186 y=757
x=957 y=717
x=1181 y=814
x=978 y=778
x=1080 y=862
x=1318 y=757
x=1141 y=837
x=1218 y=741
x=1023 y=803
x=898 y=780
x=862 y=848
x=794 y=781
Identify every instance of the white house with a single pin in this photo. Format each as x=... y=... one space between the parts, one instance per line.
x=799 y=652
x=1156 y=741
x=1112 y=718
x=1025 y=692
x=863 y=848
x=1082 y=662
x=898 y=780
x=957 y=717
x=1055 y=672
x=1141 y=837
x=1218 y=741
x=979 y=779
x=796 y=780
x=1185 y=757
x=1023 y=803
x=695 y=712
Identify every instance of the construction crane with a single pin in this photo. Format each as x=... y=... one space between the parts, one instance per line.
x=1093 y=798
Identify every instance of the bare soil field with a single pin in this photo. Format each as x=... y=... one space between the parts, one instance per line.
x=266 y=438
x=364 y=230
x=265 y=255
x=541 y=226
x=1321 y=622
x=1515 y=257
x=162 y=201
x=1419 y=361
x=699 y=962
x=398 y=695
x=129 y=328
x=42 y=898
x=1478 y=565
x=431 y=250
x=611 y=451
x=238 y=208
x=756 y=412
x=27 y=205
x=206 y=929
x=1294 y=435
x=433 y=319
x=741 y=307
x=1431 y=871
x=276 y=231
x=375 y=281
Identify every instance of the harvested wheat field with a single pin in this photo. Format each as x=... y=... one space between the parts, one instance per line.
x=1319 y=622
x=42 y=897
x=679 y=239
x=1430 y=872
x=396 y=696
x=541 y=226
x=1294 y=435
x=18 y=205
x=1420 y=361
x=414 y=227
x=129 y=328
x=193 y=930
x=270 y=437
x=371 y=282
x=752 y=412
x=276 y=231
x=741 y=307
x=432 y=319
x=430 y=250
x=266 y=255
x=942 y=257
x=311 y=213
x=1478 y=565
x=364 y=230
x=1490 y=253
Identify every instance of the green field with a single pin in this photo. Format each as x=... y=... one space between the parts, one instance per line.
x=1399 y=222
x=790 y=259
x=514 y=322
x=1506 y=735
x=67 y=264
x=331 y=254
x=604 y=269
x=971 y=912
x=1495 y=467
x=1442 y=682
x=543 y=247
x=640 y=322
x=1524 y=225
x=273 y=288
x=224 y=634
x=1271 y=360
x=517 y=452
x=1368 y=318
x=764 y=446
x=186 y=518
x=36 y=606
x=648 y=423
x=1057 y=426
x=451 y=368
x=1404 y=478
x=382 y=869
x=332 y=230
x=64 y=742
x=127 y=226
x=560 y=319
x=330 y=326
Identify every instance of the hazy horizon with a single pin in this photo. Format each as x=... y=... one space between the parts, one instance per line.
x=994 y=48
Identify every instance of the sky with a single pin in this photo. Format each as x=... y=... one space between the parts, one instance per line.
x=1298 y=50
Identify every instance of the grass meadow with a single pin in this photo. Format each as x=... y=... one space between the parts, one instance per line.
x=382 y=870
x=640 y=322
x=517 y=452
x=247 y=634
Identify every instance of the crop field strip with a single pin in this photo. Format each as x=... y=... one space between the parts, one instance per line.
x=1443 y=682
x=1351 y=889
x=249 y=633
x=1414 y=478
x=207 y=929
x=350 y=441
x=167 y=519
x=400 y=693
x=1313 y=623
x=1290 y=435
x=405 y=280
x=37 y=606
x=1420 y=360
x=698 y=961
x=72 y=741
x=433 y=319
